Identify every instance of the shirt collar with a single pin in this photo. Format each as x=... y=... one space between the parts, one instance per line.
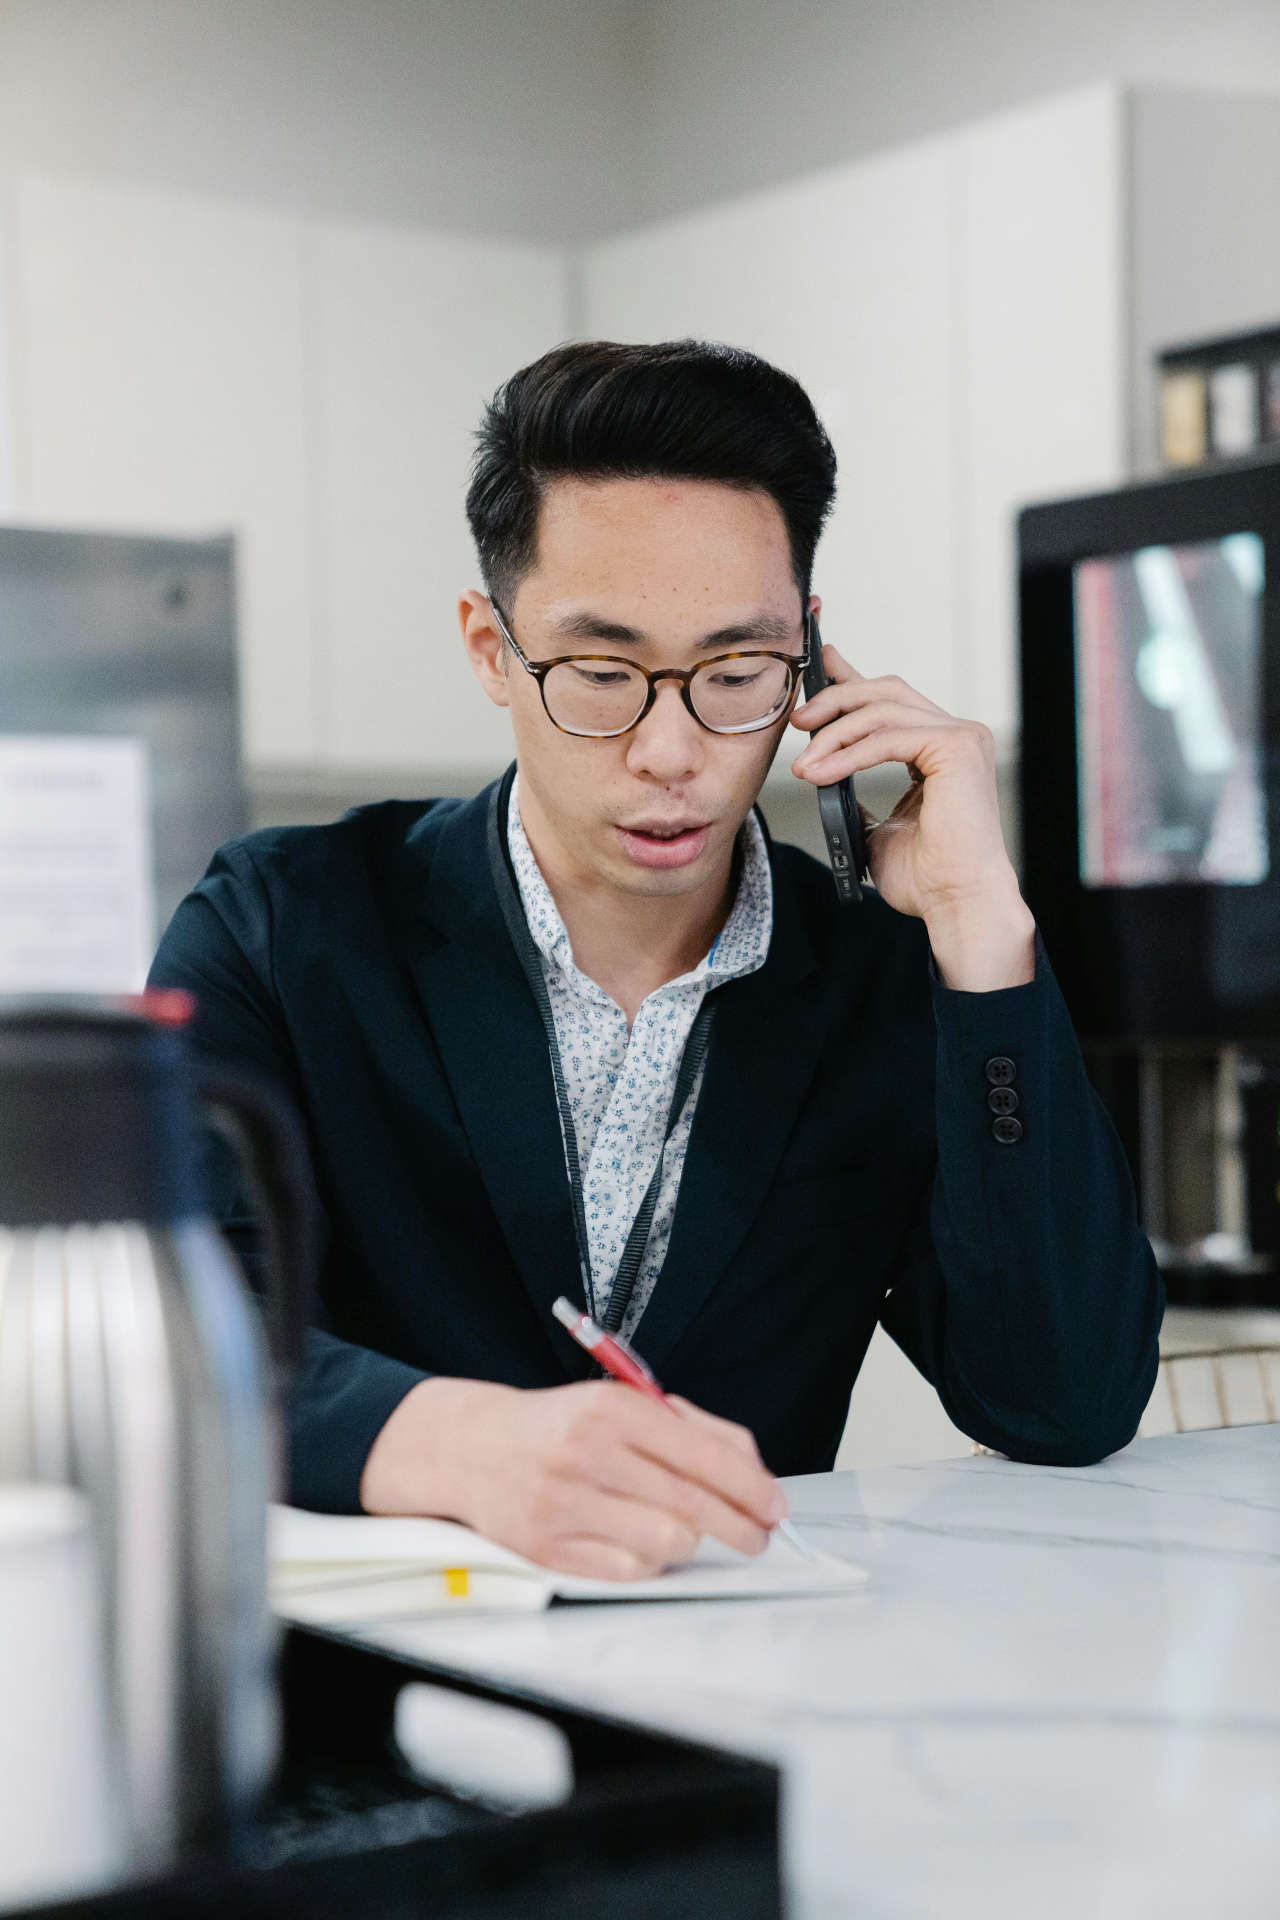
x=740 y=947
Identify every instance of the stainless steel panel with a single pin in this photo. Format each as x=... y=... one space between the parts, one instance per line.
x=121 y=634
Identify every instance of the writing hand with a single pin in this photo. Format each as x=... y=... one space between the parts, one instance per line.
x=592 y=1479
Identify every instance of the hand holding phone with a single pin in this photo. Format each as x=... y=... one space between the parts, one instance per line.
x=838 y=807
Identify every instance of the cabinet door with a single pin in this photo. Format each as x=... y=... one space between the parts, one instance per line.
x=158 y=348
x=413 y=332
x=844 y=279
x=1040 y=330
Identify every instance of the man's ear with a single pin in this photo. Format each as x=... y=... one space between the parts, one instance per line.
x=484 y=644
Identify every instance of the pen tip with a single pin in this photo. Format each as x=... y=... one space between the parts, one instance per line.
x=565 y=1312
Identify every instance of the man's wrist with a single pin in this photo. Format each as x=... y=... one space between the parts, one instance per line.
x=985 y=943
x=416 y=1463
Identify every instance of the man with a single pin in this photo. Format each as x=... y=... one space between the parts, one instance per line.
x=592 y=1034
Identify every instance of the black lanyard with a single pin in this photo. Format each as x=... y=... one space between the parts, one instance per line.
x=695 y=1052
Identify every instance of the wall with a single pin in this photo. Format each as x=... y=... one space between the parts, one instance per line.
x=563 y=120
x=742 y=93
x=482 y=116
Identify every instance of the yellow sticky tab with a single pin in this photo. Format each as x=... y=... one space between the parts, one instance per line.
x=457 y=1582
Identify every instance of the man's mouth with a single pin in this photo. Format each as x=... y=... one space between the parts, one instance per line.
x=664 y=843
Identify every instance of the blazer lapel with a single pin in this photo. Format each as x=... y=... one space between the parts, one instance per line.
x=766 y=1044
x=491 y=1042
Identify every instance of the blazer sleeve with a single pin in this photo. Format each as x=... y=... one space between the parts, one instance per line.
x=1027 y=1292
x=219 y=947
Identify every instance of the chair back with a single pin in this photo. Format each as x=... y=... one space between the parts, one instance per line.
x=1202 y=1387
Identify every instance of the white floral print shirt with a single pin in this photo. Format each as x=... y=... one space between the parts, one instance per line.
x=620 y=1086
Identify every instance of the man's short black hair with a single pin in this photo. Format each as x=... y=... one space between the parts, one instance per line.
x=684 y=409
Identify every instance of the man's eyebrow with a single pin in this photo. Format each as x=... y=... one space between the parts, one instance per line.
x=758 y=628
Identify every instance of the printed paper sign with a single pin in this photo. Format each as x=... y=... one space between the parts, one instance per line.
x=76 y=891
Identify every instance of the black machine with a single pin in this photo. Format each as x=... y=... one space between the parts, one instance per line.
x=838 y=806
x=654 y=1824
x=1150 y=800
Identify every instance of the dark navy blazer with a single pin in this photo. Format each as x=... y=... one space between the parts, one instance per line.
x=843 y=1167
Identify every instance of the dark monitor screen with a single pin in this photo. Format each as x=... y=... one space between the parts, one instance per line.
x=1150 y=763
x=1168 y=673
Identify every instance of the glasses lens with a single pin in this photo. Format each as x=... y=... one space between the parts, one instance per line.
x=594 y=696
x=739 y=693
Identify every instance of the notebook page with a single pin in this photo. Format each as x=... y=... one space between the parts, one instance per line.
x=296 y=1537
x=365 y=1563
x=718 y=1573
x=345 y=1570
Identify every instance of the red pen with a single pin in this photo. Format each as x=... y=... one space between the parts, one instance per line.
x=618 y=1359
x=613 y=1355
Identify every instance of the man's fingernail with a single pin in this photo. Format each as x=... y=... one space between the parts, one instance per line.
x=779 y=1506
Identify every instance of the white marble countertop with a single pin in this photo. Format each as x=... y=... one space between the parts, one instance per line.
x=1059 y=1695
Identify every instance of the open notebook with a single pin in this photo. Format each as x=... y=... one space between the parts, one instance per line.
x=340 y=1569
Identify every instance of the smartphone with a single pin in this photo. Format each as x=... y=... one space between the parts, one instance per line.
x=837 y=804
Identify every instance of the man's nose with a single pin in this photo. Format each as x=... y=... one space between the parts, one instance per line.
x=668 y=744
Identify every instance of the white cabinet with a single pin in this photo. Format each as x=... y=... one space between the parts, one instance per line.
x=953 y=309
x=179 y=365
x=844 y=280
x=975 y=318
x=1040 y=353
x=156 y=347
x=411 y=333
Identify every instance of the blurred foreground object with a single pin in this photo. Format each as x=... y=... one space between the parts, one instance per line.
x=132 y=1366
x=482 y=1748
x=59 y=1829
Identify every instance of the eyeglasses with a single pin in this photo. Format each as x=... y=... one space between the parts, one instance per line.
x=601 y=695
